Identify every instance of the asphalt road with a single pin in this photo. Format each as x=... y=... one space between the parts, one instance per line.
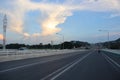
x=87 y=65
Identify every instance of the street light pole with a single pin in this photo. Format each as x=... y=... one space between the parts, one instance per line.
x=108 y=39
x=4 y=31
x=52 y=44
x=108 y=36
x=62 y=38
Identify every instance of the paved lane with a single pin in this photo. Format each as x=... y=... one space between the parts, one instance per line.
x=115 y=57
x=36 y=68
x=88 y=65
x=94 y=67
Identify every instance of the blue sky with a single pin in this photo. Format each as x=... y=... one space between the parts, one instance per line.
x=36 y=21
x=86 y=25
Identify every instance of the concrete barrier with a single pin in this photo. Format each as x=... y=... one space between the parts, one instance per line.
x=116 y=51
x=9 y=55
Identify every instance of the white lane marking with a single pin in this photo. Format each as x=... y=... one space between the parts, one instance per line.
x=27 y=65
x=24 y=66
x=54 y=72
x=112 y=64
x=115 y=63
x=57 y=70
x=71 y=66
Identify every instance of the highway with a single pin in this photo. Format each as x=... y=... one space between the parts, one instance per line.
x=83 y=65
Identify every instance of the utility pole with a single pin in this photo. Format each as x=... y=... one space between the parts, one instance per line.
x=52 y=44
x=62 y=38
x=4 y=31
x=108 y=37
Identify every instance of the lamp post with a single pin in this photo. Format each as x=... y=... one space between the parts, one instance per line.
x=4 y=31
x=108 y=36
x=52 y=44
x=62 y=38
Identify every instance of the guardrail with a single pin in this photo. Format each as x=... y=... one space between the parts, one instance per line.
x=20 y=52
x=23 y=54
x=116 y=51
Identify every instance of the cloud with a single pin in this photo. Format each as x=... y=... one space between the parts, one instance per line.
x=114 y=33
x=53 y=18
x=52 y=13
x=1 y=37
x=26 y=35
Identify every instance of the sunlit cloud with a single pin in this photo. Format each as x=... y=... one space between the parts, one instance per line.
x=1 y=37
x=26 y=35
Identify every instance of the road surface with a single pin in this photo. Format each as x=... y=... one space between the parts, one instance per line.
x=85 y=65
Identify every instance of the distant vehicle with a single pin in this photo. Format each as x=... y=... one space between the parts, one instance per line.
x=22 y=48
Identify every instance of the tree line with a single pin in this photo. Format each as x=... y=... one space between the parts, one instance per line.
x=64 y=45
x=115 y=44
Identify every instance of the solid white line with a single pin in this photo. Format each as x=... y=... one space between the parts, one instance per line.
x=57 y=70
x=24 y=66
x=107 y=57
x=54 y=72
x=109 y=61
x=71 y=66
x=27 y=65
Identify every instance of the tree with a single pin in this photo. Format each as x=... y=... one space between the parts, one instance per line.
x=67 y=45
x=15 y=46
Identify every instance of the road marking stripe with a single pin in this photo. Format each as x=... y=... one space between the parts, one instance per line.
x=54 y=72
x=57 y=70
x=2 y=71
x=107 y=57
x=71 y=66
x=24 y=66
x=28 y=65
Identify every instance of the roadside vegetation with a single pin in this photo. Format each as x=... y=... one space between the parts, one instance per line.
x=65 y=45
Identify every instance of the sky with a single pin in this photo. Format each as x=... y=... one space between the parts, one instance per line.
x=38 y=21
